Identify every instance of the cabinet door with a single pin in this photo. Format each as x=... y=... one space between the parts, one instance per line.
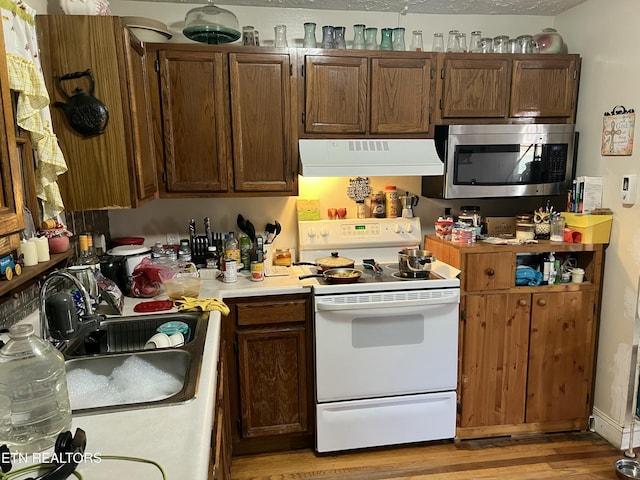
x=11 y=200
x=561 y=356
x=494 y=359
x=99 y=167
x=264 y=144
x=144 y=163
x=336 y=94
x=544 y=88
x=273 y=381
x=400 y=95
x=475 y=88
x=195 y=115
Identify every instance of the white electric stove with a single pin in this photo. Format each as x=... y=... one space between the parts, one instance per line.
x=385 y=346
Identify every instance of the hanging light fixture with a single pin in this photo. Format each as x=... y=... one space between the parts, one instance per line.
x=211 y=24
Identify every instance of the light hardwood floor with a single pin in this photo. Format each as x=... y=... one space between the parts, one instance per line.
x=576 y=456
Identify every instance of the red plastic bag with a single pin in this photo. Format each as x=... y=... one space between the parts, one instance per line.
x=147 y=278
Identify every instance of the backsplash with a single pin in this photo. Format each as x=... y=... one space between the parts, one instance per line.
x=15 y=309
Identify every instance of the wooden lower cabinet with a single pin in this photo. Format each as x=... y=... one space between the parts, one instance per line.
x=526 y=353
x=271 y=373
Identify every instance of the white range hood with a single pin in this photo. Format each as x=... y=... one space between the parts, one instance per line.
x=369 y=158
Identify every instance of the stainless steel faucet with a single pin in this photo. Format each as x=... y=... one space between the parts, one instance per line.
x=89 y=316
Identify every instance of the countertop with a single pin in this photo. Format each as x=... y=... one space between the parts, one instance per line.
x=178 y=437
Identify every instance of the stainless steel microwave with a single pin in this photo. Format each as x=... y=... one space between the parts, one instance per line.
x=486 y=161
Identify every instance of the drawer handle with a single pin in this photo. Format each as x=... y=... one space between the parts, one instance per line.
x=542 y=302
x=523 y=302
x=491 y=272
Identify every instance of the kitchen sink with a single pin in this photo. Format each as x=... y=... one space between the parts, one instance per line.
x=109 y=370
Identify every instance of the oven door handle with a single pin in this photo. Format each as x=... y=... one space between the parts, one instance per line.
x=324 y=305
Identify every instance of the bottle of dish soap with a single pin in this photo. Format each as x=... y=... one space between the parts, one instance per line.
x=33 y=385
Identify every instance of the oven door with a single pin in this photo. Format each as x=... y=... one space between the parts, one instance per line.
x=394 y=343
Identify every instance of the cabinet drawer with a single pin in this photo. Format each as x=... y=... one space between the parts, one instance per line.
x=488 y=271
x=272 y=311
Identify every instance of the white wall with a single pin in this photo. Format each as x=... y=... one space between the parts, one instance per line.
x=606 y=33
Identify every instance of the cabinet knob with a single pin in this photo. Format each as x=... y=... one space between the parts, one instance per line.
x=490 y=271
x=542 y=302
x=523 y=302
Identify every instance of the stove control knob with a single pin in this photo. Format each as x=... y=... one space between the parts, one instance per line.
x=324 y=232
x=397 y=228
x=311 y=232
x=409 y=228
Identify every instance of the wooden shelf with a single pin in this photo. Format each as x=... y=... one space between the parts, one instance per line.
x=29 y=273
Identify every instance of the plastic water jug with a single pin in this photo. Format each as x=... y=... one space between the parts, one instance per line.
x=33 y=386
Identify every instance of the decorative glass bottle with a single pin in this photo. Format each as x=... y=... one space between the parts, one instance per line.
x=309 y=35
x=398 y=39
x=327 y=36
x=358 y=37
x=371 y=38
x=386 y=43
x=338 y=38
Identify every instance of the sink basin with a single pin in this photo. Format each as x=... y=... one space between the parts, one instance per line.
x=128 y=334
x=109 y=370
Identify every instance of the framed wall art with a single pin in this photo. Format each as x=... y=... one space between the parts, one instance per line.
x=617 y=131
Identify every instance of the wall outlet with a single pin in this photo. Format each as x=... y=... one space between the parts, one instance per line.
x=173 y=238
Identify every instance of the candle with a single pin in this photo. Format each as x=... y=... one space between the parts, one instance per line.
x=42 y=249
x=28 y=250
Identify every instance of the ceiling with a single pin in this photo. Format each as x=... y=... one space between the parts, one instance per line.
x=448 y=7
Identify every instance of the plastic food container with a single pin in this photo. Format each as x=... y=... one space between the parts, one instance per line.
x=178 y=287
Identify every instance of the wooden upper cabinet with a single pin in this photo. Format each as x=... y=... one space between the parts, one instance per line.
x=11 y=200
x=544 y=87
x=368 y=93
x=336 y=94
x=146 y=180
x=475 y=87
x=264 y=143
x=401 y=94
x=121 y=158
x=195 y=118
x=506 y=88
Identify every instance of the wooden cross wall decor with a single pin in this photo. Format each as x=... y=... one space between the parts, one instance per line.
x=617 y=131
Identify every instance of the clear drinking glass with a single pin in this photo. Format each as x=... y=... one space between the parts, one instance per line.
x=371 y=38
x=462 y=42
x=416 y=41
x=438 y=42
x=358 y=37
x=327 y=37
x=281 y=36
x=501 y=44
x=309 y=35
x=386 y=43
x=453 y=42
x=398 y=39
x=248 y=36
x=486 y=45
x=338 y=38
x=474 y=41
